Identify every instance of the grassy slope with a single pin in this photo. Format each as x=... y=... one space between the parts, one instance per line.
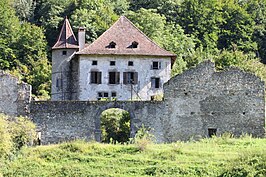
x=209 y=157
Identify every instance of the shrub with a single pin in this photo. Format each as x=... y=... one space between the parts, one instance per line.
x=143 y=138
x=15 y=133
x=5 y=137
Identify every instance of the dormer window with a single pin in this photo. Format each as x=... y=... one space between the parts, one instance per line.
x=134 y=44
x=112 y=45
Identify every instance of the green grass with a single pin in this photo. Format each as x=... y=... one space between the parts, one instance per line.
x=209 y=157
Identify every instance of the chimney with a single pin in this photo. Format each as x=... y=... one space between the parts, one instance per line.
x=81 y=38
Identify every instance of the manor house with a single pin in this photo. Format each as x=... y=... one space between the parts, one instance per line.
x=122 y=64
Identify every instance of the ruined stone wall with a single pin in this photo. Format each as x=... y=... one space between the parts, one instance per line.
x=195 y=101
x=202 y=98
x=15 y=96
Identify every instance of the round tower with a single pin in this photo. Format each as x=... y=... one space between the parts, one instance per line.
x=62 y=52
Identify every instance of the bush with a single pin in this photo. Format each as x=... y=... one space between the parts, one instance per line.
x=143 y=138
x=15 y=133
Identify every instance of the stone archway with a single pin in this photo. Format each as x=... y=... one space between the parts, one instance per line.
x=110 y=105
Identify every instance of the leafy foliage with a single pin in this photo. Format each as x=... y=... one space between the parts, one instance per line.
x=115 y=126
x=14 y=134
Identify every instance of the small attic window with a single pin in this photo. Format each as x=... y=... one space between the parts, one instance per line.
x=134 y=44
x=64 y=52
x=112 y=45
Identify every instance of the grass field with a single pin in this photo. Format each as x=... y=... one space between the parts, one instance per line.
x=221 y=156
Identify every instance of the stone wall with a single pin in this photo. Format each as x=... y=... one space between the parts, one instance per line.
x=195 y=102
x=15 y=96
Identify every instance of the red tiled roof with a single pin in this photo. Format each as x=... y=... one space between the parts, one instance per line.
x=66 y=37
x=123 y=33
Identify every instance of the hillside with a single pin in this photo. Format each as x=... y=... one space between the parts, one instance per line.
x=222 y=156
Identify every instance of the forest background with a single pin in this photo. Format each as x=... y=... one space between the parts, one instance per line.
x=229 y=32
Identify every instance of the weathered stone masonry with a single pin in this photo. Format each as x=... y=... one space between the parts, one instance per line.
x=196 y=101
x=15 y=96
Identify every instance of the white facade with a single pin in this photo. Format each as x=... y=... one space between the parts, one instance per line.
x=143 y=89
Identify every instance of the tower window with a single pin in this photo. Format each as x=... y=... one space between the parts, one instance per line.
x=94 y=62
x=64 y=52
x=112 y=63
x=130 y=63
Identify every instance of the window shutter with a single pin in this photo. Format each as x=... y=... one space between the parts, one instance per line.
x=152 y=82
x=160 y=65
x=99 y=78
x=124 y=78
x=117 y=77
x=92 y=76
x=135 y=78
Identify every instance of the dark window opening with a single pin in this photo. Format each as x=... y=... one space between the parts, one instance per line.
x=64 y=52
x=96 y=77
x=103 y=95
x=59 y=83
x=156 y=65
x=212 y=132
x=111 y=45
x=130 y=63
x=134 y=44
x=112 y=63
x=94 y=62
x=114 y=77
x=130 y=77
x=155 y=82
x=113 y=94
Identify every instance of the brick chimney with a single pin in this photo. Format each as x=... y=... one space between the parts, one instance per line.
x=81 y=38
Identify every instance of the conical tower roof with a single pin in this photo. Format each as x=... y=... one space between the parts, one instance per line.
x=124 y=38
x=66 y=37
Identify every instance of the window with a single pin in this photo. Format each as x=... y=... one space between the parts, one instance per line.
x=111 y=45
x=96 y=77
x=112 y=63
x=130 y=63
x=212 y=132
x=59 y=83
x=130 y=77
x=155 y=82
x=113 y=94
x=94 y=62
x=134 y=44
x=64 y=52
x=102 y=95
x=114 y=77
x=156 y=65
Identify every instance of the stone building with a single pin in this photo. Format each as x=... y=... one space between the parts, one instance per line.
x=122 y=64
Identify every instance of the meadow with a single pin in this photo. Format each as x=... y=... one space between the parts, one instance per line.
x=217 y=156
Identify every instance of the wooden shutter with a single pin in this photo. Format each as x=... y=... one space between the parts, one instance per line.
x=125 y=78
x=92 y=77
x=160 y=65
x=135 y=78
x=99 y=77
x=152 y=82
x=117 y=77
